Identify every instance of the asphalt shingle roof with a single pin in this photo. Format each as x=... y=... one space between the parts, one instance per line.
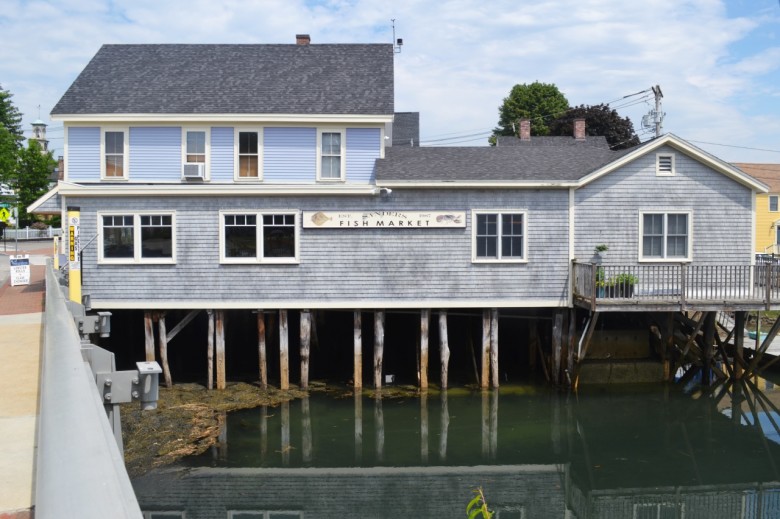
x=492 y=164
x=769 y=174
x=590 y=140
x=234 y=79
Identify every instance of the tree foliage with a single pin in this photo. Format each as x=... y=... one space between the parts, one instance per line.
x=539 y=102
x=32 y=177
x=11 y=136
x=599 y=120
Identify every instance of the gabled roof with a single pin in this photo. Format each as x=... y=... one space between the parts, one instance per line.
x=553 y=166
x=590 y=140
x=682 y=146
x=508 y=164
x=769 y=174
x=234 y=79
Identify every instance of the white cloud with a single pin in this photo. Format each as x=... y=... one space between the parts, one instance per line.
x=718 y=67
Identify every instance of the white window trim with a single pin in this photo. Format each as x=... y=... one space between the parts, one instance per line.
x=499 y=212
x=259 y=259
x=136 y=259
x=260 y=152
x=207 y=163
x=126 y=155
x=665 y=212
x=343 y=133
x=658 y=171
x=769 y=203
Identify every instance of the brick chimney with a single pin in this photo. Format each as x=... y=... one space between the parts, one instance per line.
x=60 y=168
x=579 y=129
x=302 y=39
x=525 y=129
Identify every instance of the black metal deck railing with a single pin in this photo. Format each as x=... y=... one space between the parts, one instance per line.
x=683 y=285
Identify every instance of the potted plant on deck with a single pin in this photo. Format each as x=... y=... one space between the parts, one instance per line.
x=623 y=284
x=598 y=253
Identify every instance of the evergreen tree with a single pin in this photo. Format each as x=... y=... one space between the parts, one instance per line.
x=11 y=137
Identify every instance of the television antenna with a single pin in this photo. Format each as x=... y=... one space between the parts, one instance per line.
x=397 y=43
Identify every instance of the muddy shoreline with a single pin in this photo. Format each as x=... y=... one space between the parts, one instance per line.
x=188 y=418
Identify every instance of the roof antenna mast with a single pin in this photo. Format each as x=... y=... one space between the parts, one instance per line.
x=397 y=43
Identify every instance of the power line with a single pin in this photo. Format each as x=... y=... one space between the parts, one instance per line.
x=734 y=146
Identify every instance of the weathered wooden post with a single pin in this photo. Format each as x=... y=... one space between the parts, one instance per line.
x=425 y=317
x=284 y=358
x=709 y=345
x=163 y=332
x=357 y=375
x=379 y=346
x=379 y=426
x=557 y=339
x=494 y=425
x=485 y=375
x=149 y=336
x=305 y=347
x=220 y=349
x=739 y=341
x=263 y=433
x=571 y=344
x=485 y=424
x=261 y=349
x=494 y=346
x=210 y=349
x=444 y=348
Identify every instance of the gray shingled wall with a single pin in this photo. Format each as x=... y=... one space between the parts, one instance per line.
x=374 y=265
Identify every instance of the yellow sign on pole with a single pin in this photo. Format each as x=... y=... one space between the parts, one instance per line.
x=5 y=214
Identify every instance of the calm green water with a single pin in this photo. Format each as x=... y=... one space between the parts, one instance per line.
x=659 y=452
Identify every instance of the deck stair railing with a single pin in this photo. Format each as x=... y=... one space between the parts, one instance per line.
x=677 y=283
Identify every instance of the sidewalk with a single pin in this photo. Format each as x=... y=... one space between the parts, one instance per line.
x=21 y=328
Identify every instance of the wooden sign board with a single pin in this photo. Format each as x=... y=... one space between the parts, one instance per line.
x=383 y=219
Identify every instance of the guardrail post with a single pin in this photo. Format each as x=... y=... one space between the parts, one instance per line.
x=593 y=286
x=683 y=284
x=768 y=285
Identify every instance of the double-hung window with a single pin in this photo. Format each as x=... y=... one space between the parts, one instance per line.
x=499 y=236
x=665 y=236
x=331 y=147
x=259 y=237
x=195 y=153
x=773 y=203
x=136 y=238
x=249 y=154
x=114 y=152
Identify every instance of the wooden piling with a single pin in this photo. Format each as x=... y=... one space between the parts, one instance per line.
x=485 y=375
x=305 y=347
x=284 y=358
x=358 y=427
x=557 y=340
x=379 y=346
x=444 y=348
x=424 y=428
x=163 y=333
x=261 y=350
x=306 y=436
x=739 y=342
x=220 y=327
x=149 y=337
x=709 y=347
x=379 y=428
x=425 y=318
x=210 y=349
x=571 y=344
x=357 y=334
x=494 y=347
x=445 y=426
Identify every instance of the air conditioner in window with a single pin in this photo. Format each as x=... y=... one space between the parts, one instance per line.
x=195 y=171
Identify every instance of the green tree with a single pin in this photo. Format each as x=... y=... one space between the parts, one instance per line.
x=539 y=102
x=32 y=177
x=11 y=136
x=599 y=120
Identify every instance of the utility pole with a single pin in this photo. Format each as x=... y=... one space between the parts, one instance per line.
x=659 y=116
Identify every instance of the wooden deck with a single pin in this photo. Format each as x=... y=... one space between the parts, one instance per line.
x=676 y=287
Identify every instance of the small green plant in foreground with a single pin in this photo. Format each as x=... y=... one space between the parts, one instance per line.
x=478 y=507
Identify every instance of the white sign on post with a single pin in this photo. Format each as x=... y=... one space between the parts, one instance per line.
x=20 y=270
x=383 y=219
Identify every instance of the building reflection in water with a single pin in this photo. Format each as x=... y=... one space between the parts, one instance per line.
x=659 y=452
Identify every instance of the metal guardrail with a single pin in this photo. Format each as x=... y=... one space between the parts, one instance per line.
x=79 y=471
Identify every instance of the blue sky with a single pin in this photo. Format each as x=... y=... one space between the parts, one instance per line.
x=717 y=61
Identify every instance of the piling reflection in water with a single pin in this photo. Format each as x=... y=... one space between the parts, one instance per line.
x=657 y=453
